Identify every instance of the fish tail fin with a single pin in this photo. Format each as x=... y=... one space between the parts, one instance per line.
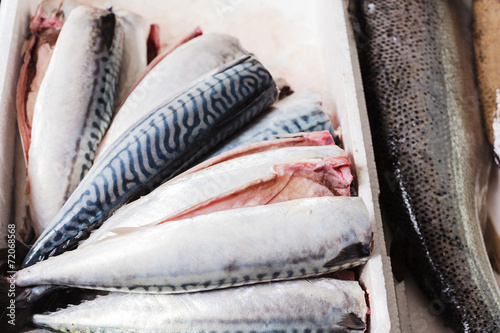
x=492 y=242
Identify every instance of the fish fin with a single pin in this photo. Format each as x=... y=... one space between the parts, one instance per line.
x=398 y=254
x=348 y=254
x=352 y=321
x=492 y=242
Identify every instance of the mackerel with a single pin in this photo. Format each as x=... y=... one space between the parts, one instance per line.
x=282 y=241
x=232 y=183
x=432 y=157
x=315 y=305
x=168 y=77
x=299 y=112
x=164 y=143
x=73 y=108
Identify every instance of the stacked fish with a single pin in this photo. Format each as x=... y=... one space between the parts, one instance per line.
x=272 y=204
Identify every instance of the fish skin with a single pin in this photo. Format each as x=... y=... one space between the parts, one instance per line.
x=134 y=60
x=163 y=144
x=432 y=159
x=171 y=75
x=73 y=108
x=486 y=48
x=299 y=112
x=291 y=306
x=283 y=241
x=297 y=140
x=192 y=189
x=330 y=176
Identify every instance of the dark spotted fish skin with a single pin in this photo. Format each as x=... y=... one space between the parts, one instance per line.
x=487 y=55
x=163 y=144
x=432 y=159
x=317 y=305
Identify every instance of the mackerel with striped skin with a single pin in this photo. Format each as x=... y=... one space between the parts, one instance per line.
x=172 y=74
x=316 y=305
x=282 y=241
x=300 y=112
x=190 y=189
x=163 y=144
x=73 y=108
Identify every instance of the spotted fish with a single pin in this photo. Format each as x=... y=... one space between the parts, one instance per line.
x=432 y=159
x=300 y=112
x=235 y=182
x=73 y=108
x=164 y=143
x=287 y=240
x=316 y=305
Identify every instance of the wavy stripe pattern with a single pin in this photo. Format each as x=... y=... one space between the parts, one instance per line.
x=161 y=145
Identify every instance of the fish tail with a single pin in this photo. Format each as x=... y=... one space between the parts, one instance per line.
x=492 y=242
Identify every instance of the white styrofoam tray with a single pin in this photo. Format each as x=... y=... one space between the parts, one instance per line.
x=311 y=46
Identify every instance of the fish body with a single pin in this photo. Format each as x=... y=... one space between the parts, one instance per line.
x=168 y=77
x=220 y=181
x=282 y=241
x=73 y=108
x=168 y=140
x=293 y=306
x=299 y=112
x=487 y=56
x=432 y=159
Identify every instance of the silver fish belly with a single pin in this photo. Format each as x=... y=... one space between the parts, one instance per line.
x=300 y=112
x=191 y=189
x=314 y=305
x=73 y=108
x=282 y=241
x=170 y=76
x=164 y=143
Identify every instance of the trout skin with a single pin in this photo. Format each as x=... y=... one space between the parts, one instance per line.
x=487 y=56
x=322 y=304
x=432 y=159
x=164 y=143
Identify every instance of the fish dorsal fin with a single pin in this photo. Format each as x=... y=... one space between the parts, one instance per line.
x=352 y=321
x=351 y=252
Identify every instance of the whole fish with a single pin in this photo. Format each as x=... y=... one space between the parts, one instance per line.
x=282 y=241
x=164 y=143
x=432 y=159
x=221 y=185
x=73 y=108
x=486 y=46
x=168 y=77
x=299 y=112
x=292 y=306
